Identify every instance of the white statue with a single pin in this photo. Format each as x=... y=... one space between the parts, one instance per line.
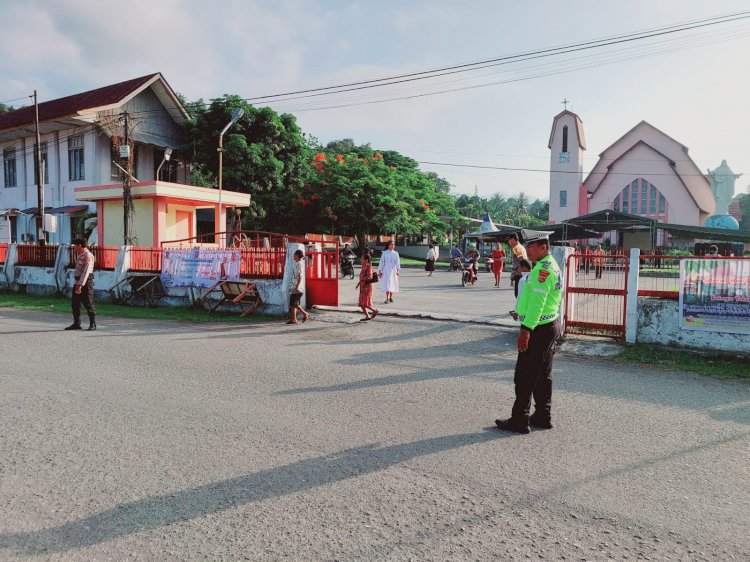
x=722 y=186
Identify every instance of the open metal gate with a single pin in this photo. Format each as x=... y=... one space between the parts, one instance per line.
x=596 y=295
x=322 y=276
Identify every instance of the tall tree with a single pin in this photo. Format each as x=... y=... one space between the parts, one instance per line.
x=264 y=155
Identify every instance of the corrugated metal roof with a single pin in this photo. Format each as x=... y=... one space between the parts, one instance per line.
x=69 y=105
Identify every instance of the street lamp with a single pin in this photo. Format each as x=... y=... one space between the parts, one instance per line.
x=167 y=156
x=236 y=114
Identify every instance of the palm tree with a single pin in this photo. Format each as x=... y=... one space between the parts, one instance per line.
x=522 y=204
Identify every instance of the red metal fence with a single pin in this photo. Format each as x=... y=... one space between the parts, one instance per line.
x=3 y=252
x=322 y=277
x=105 y=257
x=145 y=260
x=34 y=254
x=659 y=276
x=259 y=263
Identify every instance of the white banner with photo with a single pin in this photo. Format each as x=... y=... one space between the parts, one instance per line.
x=199 y=267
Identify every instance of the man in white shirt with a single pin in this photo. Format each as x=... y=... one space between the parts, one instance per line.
x=389 y=270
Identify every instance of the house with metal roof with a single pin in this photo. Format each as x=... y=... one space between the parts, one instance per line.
x=81 y=136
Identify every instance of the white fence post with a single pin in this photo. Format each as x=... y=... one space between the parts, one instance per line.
x=631 y=312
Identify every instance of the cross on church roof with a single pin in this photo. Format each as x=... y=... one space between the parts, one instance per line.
x=565 y=102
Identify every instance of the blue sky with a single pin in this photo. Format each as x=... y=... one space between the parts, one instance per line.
x=696 y=93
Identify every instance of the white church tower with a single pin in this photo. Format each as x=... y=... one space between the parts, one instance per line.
x=567 y=145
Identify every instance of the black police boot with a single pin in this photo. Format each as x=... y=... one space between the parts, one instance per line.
x=512 y=425
x=540 y=421
x=75 y=326
x=92 y=322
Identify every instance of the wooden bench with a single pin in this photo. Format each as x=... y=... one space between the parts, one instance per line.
x=146 y=285
x=241 y=293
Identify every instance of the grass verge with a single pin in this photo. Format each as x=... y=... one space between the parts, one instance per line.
x=720 y=366
x=182 y=313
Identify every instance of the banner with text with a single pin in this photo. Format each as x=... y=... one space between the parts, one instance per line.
x=199 y=267
x=715 y=295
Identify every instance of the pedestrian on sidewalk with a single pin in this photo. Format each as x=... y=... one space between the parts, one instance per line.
x=389 y=270
x=83 y=289
x=295 y=290
x=538 y=310
x=365 y=289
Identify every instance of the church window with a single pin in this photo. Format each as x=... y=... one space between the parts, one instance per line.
x=634 y=197
x=662 y=204
x=625 y=198
x=563 y=198
x=616 y=205
x=652 y=201
x=565 y=139
x=644 y=196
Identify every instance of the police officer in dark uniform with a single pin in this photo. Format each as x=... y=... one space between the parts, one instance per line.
x=538 y=310
x=83 y=289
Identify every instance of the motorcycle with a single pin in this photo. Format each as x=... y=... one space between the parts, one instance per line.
x=488 y=262
x=347 y=266
x=466 y=277
x=455 y=264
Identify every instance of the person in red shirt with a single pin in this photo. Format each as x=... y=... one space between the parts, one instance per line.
x=498 y=259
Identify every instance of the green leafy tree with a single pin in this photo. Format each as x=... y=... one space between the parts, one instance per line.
x=264 y=156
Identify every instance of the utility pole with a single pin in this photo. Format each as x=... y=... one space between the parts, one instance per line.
x=127 y=202
x=41 y=234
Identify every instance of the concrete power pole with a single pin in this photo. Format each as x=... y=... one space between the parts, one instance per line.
x=127 y=201
x=41 y=234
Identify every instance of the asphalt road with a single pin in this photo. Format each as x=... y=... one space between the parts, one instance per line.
x=341 y=440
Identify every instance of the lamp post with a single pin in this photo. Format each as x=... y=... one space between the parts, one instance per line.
x=236 y=114
x=167 y=156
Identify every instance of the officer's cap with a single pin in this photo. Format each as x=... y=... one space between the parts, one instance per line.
x=536 y=237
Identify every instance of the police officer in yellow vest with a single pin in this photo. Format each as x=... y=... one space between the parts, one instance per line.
x=538 y=310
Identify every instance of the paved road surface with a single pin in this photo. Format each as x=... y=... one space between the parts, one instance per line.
x=341 y=440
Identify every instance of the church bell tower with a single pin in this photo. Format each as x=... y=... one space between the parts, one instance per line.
x=567 y=145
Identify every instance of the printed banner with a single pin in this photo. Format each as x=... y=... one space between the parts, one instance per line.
x=715 y=295
x=199 y=267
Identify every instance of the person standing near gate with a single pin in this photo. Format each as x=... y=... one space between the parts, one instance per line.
x=389 y=270
x=83 y=289
x=538 y=310
x=519 y=253
x=295 y=289
x=599 y=255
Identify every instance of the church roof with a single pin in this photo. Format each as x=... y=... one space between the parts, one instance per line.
x=673 y=152
x=579 y=128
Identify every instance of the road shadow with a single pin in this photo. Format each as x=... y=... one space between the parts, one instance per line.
x=151 y=513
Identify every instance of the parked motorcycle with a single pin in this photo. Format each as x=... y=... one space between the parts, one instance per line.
x=488 y=262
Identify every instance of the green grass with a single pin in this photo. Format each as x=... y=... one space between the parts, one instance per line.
x=181 y=313
x=720 y=366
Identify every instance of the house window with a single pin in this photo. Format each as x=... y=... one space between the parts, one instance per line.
x=563 y=198
x=75 y=158
x=45 y=168
x=9 y=167
x=565 y=138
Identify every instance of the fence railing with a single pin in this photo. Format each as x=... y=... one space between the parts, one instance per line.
x=105 y=257
x=145 y=260
x=659 y=276
x=34 y=254
x=262 y=263
x=3 y=252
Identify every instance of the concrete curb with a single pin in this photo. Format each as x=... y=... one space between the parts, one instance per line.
x=385 y=311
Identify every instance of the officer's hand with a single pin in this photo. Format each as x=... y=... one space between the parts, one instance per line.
x=523 y=340
x=77 y=289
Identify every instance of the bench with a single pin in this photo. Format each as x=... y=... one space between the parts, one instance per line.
x=146 y=285
x=241 y=293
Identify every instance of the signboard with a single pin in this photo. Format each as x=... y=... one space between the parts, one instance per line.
x=199 y=267
x=715 y=295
